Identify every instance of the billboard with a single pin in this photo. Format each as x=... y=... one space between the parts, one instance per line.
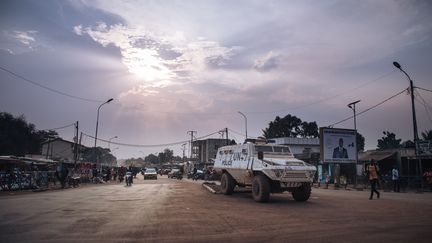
x=338 y=145
x=424 y=148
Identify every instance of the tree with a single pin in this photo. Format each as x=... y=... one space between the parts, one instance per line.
x=427 y=135
x=47 y=135
x=151 y=158
x=98 y=155
x=17 y=137
x=166 y=155
x=290 y=126
x=360 y=142
x=135 y=162
x=309 y=130
x=388 y=141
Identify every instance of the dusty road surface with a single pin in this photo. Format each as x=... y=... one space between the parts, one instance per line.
x=169 y=210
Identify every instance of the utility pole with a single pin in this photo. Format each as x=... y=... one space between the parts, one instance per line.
x=76 y=143
x=191 y=142
x=79 y=149
x=244 y=116
x=398 y=66
x=183 y=149
x=222 y=133
x=352 y=106
x=226 y=134
x=48 y=148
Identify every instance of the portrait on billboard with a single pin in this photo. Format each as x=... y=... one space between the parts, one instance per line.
x=338 y=145
x=340 y=151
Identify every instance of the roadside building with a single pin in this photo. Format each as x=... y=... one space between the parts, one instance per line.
x=204 y=151
x=306 y=149
x=58 y=149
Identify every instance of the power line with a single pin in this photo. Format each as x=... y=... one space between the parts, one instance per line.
x=370 y=108
x=422 y=101
x=58 y=128
x=48 y=88
x=241 y=134
x=238 y=133
x=329 y=97
x=424 y=89
x=275 y=111
x=151 y=145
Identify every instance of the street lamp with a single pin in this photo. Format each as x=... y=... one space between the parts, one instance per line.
x=245 y=122
x=352 y=106
x=97 y=119
x=398 y=66
x=109 y=143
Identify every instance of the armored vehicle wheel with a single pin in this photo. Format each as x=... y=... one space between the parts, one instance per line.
x=261 y=188
x=302 y=193
x=227 y=184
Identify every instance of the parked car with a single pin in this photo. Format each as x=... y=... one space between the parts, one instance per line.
x=199 y=175
x=175 y=173
x=150 y=173
x=164 y=171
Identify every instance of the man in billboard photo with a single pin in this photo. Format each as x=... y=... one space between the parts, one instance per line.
x=340 y=151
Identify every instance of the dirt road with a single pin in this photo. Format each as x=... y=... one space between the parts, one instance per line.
x=180 y=211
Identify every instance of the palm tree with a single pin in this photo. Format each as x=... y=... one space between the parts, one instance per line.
x=427 y=135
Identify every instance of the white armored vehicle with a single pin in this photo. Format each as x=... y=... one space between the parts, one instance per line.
x=268 y=168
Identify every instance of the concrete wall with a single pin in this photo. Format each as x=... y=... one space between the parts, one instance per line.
x=58 y=150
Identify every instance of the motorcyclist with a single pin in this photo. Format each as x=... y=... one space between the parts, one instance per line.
x=129 y=178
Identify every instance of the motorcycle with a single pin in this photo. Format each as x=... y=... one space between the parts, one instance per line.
x=128 y=178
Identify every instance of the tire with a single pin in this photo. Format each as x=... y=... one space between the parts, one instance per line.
x=302 y=193
x=227 y=184
x=261 y=188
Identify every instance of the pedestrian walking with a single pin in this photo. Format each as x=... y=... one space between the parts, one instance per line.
x=373 y=174
x=327 y=180
x=396 y=179
x=428 y=177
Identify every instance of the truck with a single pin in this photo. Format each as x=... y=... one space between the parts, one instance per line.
x=266 y=168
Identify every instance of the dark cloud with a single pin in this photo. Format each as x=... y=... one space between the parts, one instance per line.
x=167 y=52
x=267 y=63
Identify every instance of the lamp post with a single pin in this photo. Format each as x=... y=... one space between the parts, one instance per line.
x=245 y=123
x=398 y=66
x=352 y=106
x=109 y=143
x=97 y=119
x=416 y=138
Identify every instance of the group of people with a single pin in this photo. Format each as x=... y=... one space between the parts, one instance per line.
x=373 y=174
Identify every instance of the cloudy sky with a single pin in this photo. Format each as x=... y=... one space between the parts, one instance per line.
x=174 y=66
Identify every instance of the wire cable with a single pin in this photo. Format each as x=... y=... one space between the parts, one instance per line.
x=150 y=145
x=422 y=101
x=238 y=133
x=327 y=98
x=368 y=109
x=272 y=111
x=48 y=88
x=423 y=89
x=58 y=128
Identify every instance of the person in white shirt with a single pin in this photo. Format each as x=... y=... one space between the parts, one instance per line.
x=396 y=179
